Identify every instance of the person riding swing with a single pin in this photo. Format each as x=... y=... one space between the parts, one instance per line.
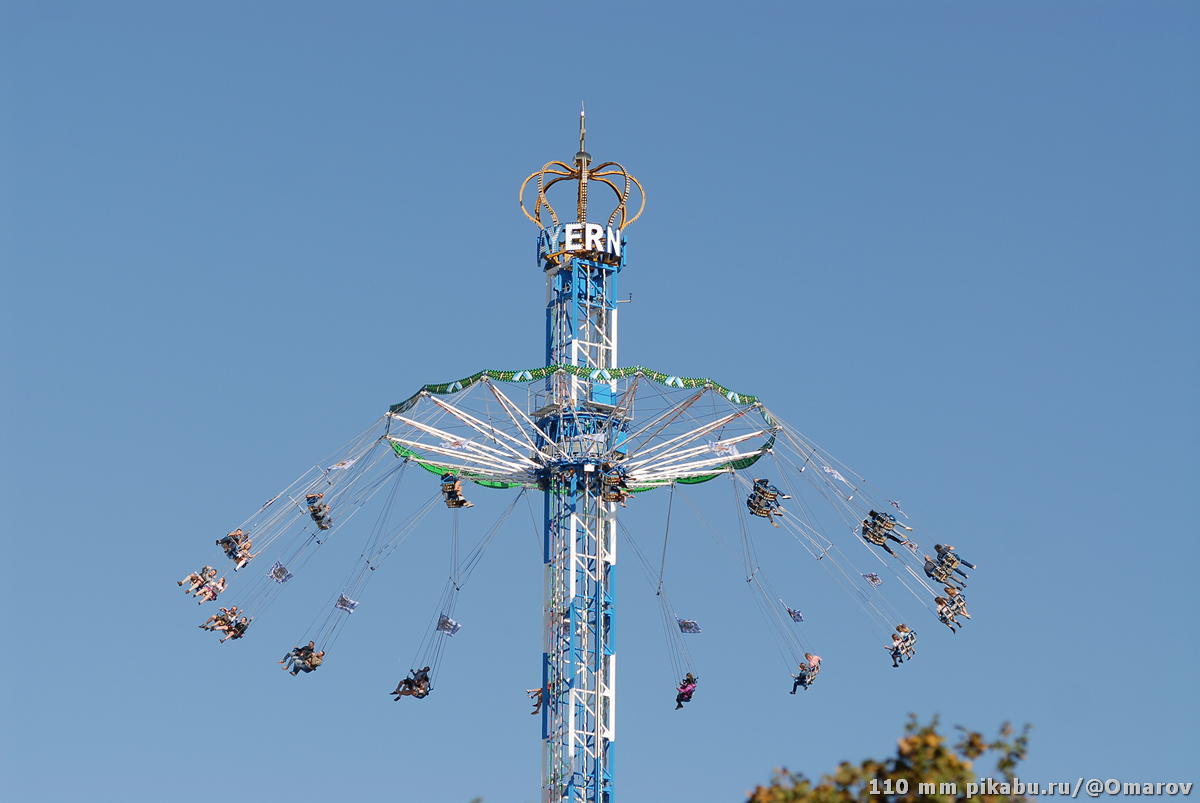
x=452 y=490
x=415 y=685
x=873 y=533
x=807 y=672
x=764 y=500
x=318 y=510
x=687 y=687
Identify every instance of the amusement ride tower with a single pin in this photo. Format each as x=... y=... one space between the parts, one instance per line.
x=588 y=435
x=582 y=423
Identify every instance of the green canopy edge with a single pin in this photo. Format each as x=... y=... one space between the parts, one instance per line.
x=592 y=374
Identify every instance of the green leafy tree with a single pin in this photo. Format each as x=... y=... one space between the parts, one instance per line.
x=923 y=757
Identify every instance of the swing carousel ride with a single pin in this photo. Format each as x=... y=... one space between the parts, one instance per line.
x=587 y=438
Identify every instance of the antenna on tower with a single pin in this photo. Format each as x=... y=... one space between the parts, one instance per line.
x=583 y=157
x=582 y=127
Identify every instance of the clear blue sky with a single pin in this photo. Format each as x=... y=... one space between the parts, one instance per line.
x=952 y=242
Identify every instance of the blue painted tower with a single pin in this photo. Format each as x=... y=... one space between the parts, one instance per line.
x=580 y=421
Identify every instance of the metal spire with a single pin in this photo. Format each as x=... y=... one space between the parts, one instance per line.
x=582 y=127
x=582 y=159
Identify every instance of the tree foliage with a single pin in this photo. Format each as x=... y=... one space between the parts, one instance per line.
x=923 y=757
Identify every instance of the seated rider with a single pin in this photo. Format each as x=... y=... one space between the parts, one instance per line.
x=197 y=579
x=220 y=620
x=767 y=491
x=807 y=672
x=887 y=521
x=536 y=696
x=873 y=533
x=613 y=485
x=687 y=687
x=298 y=654
x=956 y=601
x=237 y=629
x=763 y=507
x=210 y=590
x=615 y=495
x=415 y=685
x=757 y=506
x=945 y=613
x=764 y=500
x=938 y=573
x=309 y=663
x=950 y=559
x=243 y=555
x=318 y=510
x=896 y=650
x=908 y=640
x=230 y=543
x=452 y=490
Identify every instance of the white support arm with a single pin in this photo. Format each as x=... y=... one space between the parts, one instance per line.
x=687 y=437
x=499 y=437
x=487 y=451
x=481 y=464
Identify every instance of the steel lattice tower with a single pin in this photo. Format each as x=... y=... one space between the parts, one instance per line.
x=583 y=422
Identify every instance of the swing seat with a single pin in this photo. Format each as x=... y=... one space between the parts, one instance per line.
x=757 y=508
